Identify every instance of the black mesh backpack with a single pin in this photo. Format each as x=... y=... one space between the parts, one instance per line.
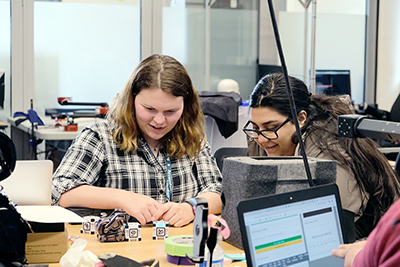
x=13 y=229
x=13 y=233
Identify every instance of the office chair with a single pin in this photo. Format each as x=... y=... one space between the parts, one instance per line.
x=380 y=114
x=394 y=114
x=225 y=152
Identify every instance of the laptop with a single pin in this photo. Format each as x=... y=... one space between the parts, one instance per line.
x=298 y=228
x=30 y=183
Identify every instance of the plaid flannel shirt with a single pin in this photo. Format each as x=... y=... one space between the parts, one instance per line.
x=95 y=159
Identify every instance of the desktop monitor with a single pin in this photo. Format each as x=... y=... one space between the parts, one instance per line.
x=267 y=69
x=332 y=82
x=2 y=88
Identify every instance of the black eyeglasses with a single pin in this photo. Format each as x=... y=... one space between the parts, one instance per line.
x=269 y=134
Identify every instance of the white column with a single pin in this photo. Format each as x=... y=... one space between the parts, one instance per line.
x=151 y=32
x=22 y=54
x=388 y=63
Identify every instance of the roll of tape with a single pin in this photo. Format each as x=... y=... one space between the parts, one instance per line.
x=179 y=245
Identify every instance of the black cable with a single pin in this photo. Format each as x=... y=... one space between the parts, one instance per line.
x=290 y=93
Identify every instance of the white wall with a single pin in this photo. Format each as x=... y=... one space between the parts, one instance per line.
x=388 y=74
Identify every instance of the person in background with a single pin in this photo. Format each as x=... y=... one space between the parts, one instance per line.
x=367 y=183
x=382 y=248
x=149 y=156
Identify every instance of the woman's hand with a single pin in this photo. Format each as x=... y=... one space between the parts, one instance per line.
x=177 y=214
x=348 y=252
x=139 y=206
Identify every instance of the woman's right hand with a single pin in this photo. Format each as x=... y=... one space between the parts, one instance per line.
x=139 y=206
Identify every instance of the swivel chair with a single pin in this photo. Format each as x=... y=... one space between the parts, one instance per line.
x=380 y=114
x=393 y=115
x=225 y=152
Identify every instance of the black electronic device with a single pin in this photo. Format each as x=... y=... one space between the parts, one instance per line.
x=200 y=229
x=333 y=82
x=2 y=88
x=250 y=177
x=353 y=126
x=294 y=228
x=264 y=69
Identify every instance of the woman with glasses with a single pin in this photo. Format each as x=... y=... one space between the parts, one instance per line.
x=367 y=183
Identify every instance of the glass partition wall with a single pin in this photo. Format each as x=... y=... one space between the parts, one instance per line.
x=234 y=44
x=184 y=37
x=85 y=49
x=214 y=42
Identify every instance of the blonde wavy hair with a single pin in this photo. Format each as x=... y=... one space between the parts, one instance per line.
x=166 y=73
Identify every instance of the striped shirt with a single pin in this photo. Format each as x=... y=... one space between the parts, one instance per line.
x=94 y=158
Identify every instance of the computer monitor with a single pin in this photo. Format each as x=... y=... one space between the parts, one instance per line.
x=332 y=82
x=267 y=69
x=2 y=88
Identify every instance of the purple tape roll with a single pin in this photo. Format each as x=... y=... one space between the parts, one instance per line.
x=179 y=260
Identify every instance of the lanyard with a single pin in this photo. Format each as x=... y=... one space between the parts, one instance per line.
x=168 y=183
x=168 y=191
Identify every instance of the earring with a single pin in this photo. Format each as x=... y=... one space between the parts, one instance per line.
x=294 y=138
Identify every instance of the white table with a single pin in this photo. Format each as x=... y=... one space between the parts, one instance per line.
x=21 y=134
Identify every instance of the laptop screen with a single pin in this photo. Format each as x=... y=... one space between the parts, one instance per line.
x=296 y=233
x=30 y=183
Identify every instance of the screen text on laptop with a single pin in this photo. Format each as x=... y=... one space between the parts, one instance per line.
x=295 y=234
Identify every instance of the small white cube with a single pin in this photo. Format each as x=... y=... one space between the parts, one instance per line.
x=160 y=229
x=132 y=232
x=89 y=225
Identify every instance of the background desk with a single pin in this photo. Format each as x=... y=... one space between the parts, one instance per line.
x=21 y=135
x=58 y=138
x=3 y=125
x=142 y=250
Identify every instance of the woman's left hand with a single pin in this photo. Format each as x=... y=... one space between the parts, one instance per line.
x=177 y=214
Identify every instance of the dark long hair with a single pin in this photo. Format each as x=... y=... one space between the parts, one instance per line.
x=372 y=171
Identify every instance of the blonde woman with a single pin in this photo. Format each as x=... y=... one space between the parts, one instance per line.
x=149 y=156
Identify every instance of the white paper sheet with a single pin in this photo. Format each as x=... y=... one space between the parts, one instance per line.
x=48 y=214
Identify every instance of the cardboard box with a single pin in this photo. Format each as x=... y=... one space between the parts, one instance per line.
x=46 y=247
x=49 y=240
